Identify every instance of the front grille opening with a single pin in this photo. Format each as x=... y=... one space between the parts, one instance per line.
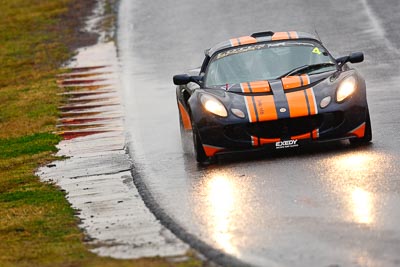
x=285 y=128
x=236 y=132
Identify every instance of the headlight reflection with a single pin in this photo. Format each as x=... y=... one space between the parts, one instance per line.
x=350 y=177
x=362 y=206
x=355 y=164
x=221 y=197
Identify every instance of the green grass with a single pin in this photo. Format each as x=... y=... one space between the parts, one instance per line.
x=37 y=225
x=28 y=145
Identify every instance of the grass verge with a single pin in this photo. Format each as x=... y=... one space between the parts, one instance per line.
x=37 y=225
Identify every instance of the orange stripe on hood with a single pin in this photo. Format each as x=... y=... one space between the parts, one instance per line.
x=260 y=87
x=291 y=82
x=259 y=108
x=306 y=79
x=311 y=101
x=250 y=108
x=245 y=87
x=249 y=103
x=266 y=109
x=298 y=106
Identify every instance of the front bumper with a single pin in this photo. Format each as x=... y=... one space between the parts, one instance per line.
x=236 y=135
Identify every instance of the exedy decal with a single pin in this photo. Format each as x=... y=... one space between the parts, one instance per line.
x=286 y=144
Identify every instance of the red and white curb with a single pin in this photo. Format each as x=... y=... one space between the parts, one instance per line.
x=97 y=173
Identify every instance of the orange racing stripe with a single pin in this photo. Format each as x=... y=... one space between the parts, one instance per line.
x=234 y=42
x=311 y=101
x=305 y=79
x=243 y=40
x=266 y=109
x=245 y=88
x=280 y=36
x=291 y=82
x=293 y=35
x=284 y=36
x=249 y=103
x=259 y=108
x=247 y=40
x=260 y=87
x=250 y=108
x=298 y=105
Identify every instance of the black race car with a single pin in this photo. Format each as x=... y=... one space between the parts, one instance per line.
x=279 y=89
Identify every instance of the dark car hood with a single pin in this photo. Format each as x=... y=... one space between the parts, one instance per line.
x=289 y=97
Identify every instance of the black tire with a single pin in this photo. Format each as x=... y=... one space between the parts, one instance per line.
x=198 y=148
x=368 y=133
x=185 y=137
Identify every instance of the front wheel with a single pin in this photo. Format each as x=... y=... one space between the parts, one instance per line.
x=367 y=135
x=185 y=137
x=198 y=147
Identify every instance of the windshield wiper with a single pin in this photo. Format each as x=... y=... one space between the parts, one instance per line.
x=306 y=68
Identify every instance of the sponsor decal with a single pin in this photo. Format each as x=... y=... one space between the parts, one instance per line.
x=240 y=50
x=316 y=51
x=286 y=144
x=291 y=43
x=254 y=47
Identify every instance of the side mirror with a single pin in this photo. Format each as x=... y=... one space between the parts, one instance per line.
x=354 y=57
x=182 y=79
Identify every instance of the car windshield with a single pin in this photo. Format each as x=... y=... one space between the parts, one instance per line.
x=267 y=61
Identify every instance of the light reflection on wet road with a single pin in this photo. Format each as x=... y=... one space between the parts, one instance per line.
x=326 y=205
x=222 y=197
x=350 y=181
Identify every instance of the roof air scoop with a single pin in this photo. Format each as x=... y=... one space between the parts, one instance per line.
x=262 y=34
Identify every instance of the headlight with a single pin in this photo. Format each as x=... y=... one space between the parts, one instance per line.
x=213 y=105
x=346 y=88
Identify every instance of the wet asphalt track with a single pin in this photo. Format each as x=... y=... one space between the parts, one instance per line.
x=331 y=205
